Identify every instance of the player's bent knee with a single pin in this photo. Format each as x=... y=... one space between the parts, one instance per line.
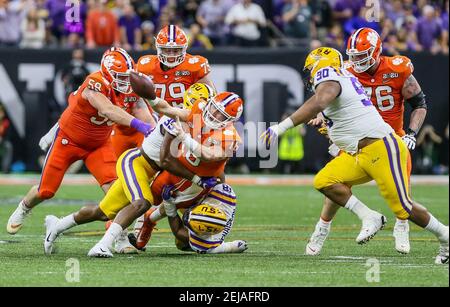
x=321 y=181
x=142 y=205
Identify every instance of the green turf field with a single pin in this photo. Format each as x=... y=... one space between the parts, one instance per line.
x=276 y=222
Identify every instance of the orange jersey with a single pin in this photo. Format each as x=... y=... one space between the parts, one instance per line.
x=186 y=193
x=82 y=123
x=171 y=84
x=227 y=138
x=385 y=88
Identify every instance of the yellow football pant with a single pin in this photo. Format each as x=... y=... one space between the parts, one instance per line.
x=133 y=183
x=384 y=161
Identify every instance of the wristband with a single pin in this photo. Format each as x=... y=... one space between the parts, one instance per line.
x=410 y=131
x=285 y=125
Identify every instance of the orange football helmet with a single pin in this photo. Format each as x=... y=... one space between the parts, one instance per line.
x=222 y=109
x=364 y=49
x=116 y=64
x=171 y=45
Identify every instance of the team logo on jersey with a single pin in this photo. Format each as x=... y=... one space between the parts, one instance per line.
x=182 y=73
x=193 y=60
x=397 y=61
x=145 y=61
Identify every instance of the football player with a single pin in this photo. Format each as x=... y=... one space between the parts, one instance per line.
x=390 y=84
x=136 y=169
x=84 y=129
x=371 y=149
x=205 y=224
x=197 y=91
x=173 y=70
x=209 y=122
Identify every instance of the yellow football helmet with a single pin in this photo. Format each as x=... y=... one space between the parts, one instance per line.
x=205 y=219
x=197 y=91
x=320 y=58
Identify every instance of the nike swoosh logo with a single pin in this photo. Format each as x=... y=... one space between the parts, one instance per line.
x=103 y=251
x=16 y=226
x=48 y=238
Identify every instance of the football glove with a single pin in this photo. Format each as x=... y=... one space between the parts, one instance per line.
x=410 y=139
x=205 y=182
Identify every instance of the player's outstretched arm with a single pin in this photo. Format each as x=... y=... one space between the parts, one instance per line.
x=141 y=111
x=414 y=96
x=114 y=113
x=163 y=107
x=326 y=93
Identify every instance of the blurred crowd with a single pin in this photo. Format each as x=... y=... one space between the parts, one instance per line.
x=418 y=25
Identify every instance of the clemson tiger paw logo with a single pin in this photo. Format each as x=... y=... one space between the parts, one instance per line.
x=194 y=60
x=372 y=38
x=108 y=61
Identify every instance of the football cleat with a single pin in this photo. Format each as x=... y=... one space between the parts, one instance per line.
x=442 y=258
x=239 y=246
x=50 y=234
x=16 y=220
x=401 y=235
x=100 y=251
x=145 y=233
x=370 y=227
x=123 y=245
x=315 y=243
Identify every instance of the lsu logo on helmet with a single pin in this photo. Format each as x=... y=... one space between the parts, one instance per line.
x=195 y=92
x=207 y=220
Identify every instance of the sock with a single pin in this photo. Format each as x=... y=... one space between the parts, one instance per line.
x=438 y=229
x=24 y=207
x=225 y=247
x=111 y=235
x=401 y=222
x=324 y=224
x=138 y=225
x=155 y=216
x=357 y=207
x=65 y=223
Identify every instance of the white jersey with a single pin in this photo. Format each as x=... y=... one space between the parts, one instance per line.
x=152 y=143
x=352 y=116
x=221 y=196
